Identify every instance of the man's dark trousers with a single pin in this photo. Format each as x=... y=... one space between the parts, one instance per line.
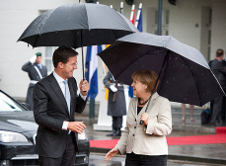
x=68 y=157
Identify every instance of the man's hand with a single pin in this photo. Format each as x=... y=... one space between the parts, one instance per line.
x=76 y=127
x=144 y=117
x=84 y=87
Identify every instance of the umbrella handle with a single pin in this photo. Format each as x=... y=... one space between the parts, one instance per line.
x=83 y=81
x=141 y=122
x=83 y=73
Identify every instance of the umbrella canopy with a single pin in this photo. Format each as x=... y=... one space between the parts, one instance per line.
x=77 y=25
x=185 y=78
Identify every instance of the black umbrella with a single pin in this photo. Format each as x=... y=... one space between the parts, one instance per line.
x=77 y=25
x=184 y=74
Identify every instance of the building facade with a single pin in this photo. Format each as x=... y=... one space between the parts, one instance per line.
x=201 y=24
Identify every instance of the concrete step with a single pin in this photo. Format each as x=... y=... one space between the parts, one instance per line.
x=178 y=110
x=187 y=116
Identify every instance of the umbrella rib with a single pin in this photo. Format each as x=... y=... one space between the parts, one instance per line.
x=124 y=19
x=165 y=60
x=87 y=16
x=217 y=82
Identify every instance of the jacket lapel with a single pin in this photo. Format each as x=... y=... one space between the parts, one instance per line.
x=154 y=97
x=56 y=88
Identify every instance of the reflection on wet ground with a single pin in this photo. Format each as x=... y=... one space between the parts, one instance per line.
x=100 y=135
x=98 y=160
x=213 y=151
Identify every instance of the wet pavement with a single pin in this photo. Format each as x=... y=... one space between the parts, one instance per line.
x=98 y=160
x=209 y=154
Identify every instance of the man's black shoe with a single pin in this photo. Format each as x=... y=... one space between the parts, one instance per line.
x=117 y=133
x=219 y=124
x=111 y=134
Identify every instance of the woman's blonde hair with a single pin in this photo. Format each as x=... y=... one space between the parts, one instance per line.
x=146 y=77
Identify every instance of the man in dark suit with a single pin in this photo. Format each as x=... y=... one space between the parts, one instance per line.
x=55 y=101
x=36 y=71
x=219 y=71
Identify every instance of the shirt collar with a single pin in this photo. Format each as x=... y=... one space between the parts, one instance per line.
x=58 y=78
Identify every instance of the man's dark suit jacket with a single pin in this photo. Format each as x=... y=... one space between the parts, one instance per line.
x=50 y=111
x=219 y=71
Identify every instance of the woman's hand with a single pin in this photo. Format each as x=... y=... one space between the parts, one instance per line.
x=144 y=117
x=111 y=154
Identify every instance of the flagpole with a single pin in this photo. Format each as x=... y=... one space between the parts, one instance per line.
x=159 y=27
x=121 y=7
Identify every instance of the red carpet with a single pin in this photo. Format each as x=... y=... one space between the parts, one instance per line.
x=221 y=130
x=218 y=138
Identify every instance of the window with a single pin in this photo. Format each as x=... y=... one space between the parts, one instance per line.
x=48 y=58
x=152 y=21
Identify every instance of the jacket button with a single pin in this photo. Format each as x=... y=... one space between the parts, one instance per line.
x=133 y=134
x=135 y=127
x=135 y=120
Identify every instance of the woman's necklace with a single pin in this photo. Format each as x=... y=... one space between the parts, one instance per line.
x=143 y=102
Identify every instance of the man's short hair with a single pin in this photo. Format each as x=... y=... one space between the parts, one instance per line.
x=62 y=54
x=219 y=52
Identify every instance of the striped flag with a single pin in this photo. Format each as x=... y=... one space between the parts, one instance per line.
x=132 y=15
x=91 y=69
x=138 y=23
x=132 y=20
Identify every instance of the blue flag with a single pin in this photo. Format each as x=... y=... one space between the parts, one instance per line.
x=140 y=28
x=91 y=69
x=139 y=25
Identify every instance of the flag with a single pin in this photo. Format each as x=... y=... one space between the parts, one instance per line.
x=132 y=15
x=106 y=70
x=106 y=94
x=132 y=20
x=91 y=69
x=138 y=23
